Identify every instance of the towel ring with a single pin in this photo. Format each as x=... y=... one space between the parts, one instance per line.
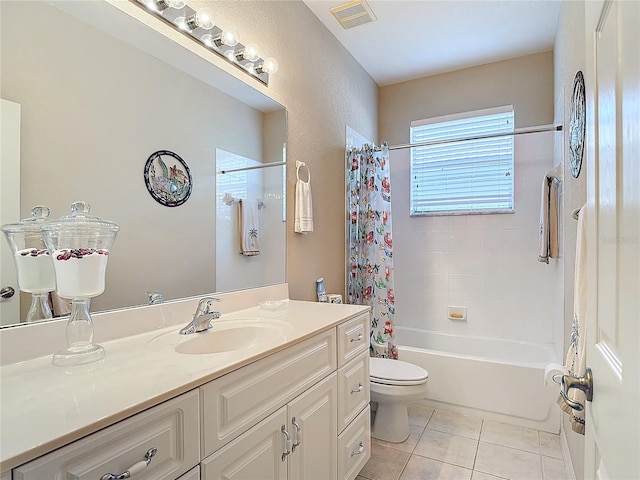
x=299 y=165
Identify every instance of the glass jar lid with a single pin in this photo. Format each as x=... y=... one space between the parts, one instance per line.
x=79 y=220
x=79 y=230
x=39 y=215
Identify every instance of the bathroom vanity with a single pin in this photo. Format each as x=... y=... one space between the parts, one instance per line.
x=292 y=404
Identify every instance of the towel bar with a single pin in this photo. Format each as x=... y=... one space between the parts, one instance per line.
x=229 y=199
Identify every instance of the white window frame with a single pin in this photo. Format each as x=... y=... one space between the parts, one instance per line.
x=440 y=171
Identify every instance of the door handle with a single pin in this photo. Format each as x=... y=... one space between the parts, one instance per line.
x=584 y=383
x=7 y=292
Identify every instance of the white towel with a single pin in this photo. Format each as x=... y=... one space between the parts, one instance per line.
x=248 y=228
x=548 y=219
x=303 y=222
x=576 y=361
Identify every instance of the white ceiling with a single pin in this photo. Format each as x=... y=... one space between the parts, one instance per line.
x=417 y=38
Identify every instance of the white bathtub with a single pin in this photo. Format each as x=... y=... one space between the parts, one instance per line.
x=496 y=379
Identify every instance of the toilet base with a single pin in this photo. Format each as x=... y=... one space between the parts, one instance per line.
x=391 y=423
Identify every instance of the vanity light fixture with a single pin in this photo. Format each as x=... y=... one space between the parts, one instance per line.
x=200 y=27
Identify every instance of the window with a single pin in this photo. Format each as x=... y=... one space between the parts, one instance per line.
x=472 y=176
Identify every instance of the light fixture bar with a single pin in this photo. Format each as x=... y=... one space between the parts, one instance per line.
x=231 y=54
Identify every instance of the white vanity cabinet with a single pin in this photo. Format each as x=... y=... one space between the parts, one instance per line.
x=171 y=428
x=301 y=413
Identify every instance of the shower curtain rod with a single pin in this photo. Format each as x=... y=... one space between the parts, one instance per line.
x=264 y=165
x=521 y=131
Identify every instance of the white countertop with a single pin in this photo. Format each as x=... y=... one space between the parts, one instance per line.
x=43 y=407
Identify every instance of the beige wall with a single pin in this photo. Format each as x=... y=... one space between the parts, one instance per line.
x=324 y=89
x=569 y=55
x=525 y=82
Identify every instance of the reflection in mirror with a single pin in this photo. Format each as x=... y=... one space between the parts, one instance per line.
x=249 y=206
x=93 y=109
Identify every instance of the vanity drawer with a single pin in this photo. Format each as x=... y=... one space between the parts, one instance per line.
x=235 y=402
x=171 y=427
x=354 y=446
x=353 y=338
x=353 y=389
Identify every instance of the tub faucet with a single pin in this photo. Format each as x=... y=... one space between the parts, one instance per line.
x=202 y=318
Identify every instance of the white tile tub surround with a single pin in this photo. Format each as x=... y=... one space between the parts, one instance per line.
x=487 y=263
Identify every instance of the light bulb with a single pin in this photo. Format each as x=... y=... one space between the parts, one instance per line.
x=250 y=52
x=230 y=37
x=203 y=18
x=207 y=39
x=269 y=65
x=181 y=23
x=230 y=54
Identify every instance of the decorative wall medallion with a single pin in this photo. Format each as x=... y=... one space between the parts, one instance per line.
x=170 y=186
x=577 y=124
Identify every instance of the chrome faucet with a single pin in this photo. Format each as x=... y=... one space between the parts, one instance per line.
x=202 y=318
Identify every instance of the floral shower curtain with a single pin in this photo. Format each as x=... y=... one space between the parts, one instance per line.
x=370 y=244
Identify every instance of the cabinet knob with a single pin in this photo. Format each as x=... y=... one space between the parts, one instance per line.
x=358 y=388
x=134 y=469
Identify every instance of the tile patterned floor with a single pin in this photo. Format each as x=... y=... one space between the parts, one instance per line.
x=449 y=446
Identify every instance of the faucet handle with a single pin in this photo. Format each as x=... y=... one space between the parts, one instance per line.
x=204 y=305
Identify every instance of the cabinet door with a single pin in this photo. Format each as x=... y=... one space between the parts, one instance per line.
x=257 y=454
x=313 y=427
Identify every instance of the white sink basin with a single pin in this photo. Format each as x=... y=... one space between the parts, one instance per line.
x=225 y=336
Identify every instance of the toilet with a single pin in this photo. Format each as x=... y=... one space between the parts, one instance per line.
x=394 y=384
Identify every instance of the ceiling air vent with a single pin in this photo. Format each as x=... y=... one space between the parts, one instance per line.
x=353 y=14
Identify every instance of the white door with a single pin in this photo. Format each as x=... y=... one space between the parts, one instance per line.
x=613 y=242
x=9 y=205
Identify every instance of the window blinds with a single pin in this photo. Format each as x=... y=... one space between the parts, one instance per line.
x=471 y=176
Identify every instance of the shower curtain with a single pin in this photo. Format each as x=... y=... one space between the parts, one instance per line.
x=370 y=245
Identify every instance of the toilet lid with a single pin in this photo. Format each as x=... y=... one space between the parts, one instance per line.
x=396 y=372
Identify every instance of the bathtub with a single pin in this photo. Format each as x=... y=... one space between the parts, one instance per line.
x=496 y=379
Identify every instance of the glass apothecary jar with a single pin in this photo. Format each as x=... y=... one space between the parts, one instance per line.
x=79 y=245
x=33 y=262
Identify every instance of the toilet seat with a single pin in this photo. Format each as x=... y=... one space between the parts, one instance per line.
x=386 y=371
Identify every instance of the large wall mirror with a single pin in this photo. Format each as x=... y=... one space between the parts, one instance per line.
x=95 y=106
